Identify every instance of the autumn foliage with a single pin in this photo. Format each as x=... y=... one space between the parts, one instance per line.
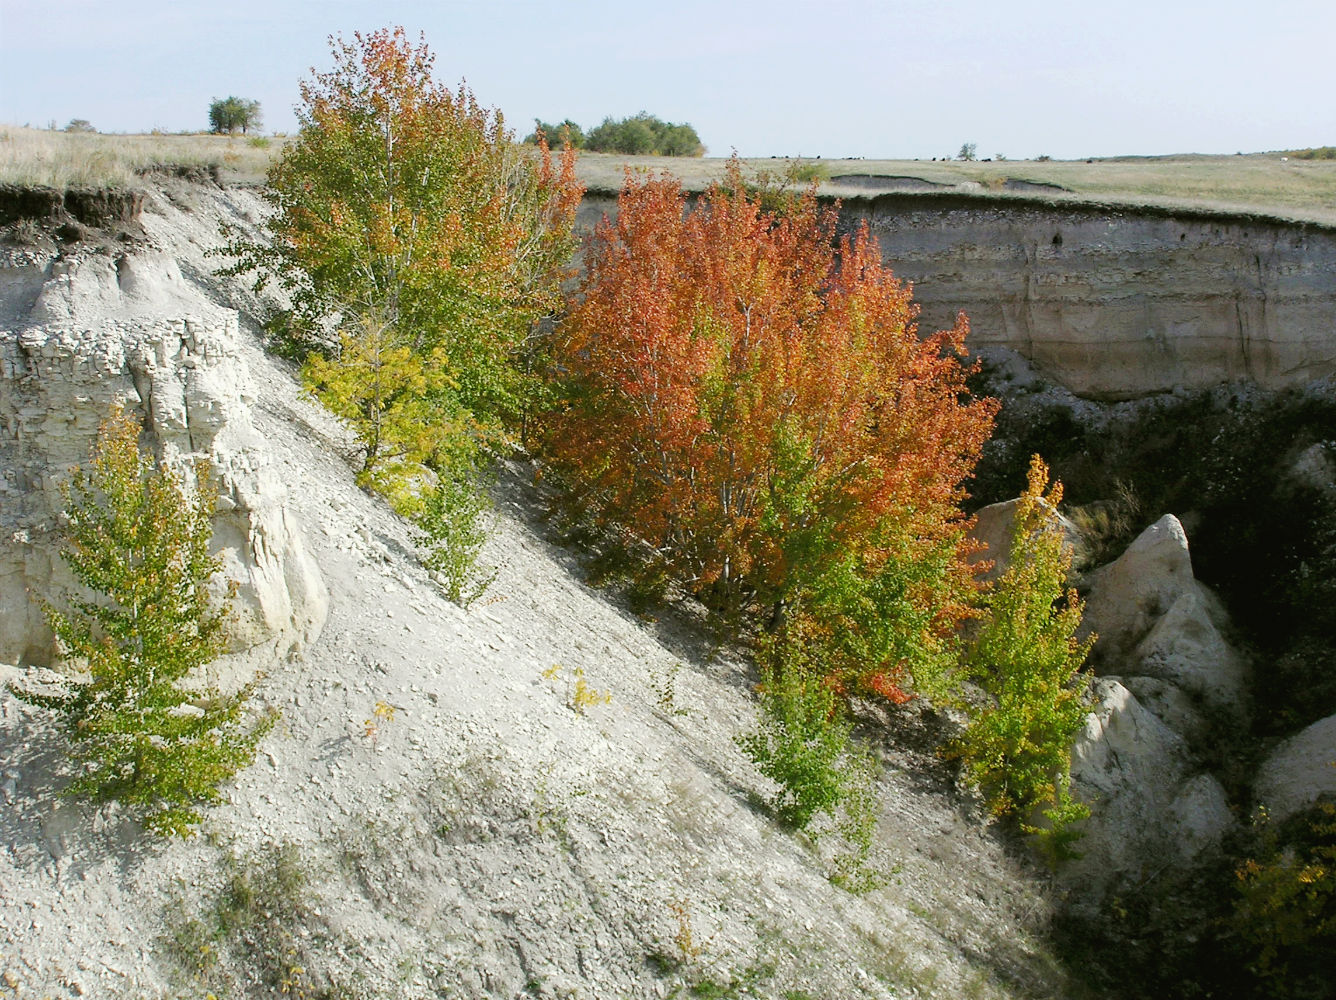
x=408 y=201
x=420 y=248
x=750 y=396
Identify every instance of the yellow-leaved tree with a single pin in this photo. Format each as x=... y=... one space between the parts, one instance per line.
x=137 y=539
x=1027 y=658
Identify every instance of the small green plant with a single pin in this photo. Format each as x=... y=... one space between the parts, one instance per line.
x=1027 y=659
x=580 y=695
x=1286 y=906
x=803 y=742
x=452 y=522
x=138 y=540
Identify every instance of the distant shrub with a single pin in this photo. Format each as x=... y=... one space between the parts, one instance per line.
x=644 y=134
x=557 y=135
x=80 y=125
x=1316 y=153
x=233 y=114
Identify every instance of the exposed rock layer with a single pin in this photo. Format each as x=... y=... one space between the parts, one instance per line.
x=1114 y=304
x=98 y=330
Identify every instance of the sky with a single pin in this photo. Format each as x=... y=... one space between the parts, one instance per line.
x=844 y=78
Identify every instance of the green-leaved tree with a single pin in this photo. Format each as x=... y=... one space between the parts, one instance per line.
x=234 y=114
x=137 y=539
x=1027 y=658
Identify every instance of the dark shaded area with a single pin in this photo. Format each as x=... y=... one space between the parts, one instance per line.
x=1250 y=475
x=1190 y=935
x=1263 y=536
x=1021 y=184
x=100 y=207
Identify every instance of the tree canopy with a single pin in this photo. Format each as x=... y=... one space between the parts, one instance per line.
x=641 y=134
x=234 y=114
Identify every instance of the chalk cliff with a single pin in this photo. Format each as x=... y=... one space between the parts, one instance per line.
x=100 y=326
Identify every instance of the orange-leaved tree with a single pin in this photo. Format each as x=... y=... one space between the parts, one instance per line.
x=750 y=396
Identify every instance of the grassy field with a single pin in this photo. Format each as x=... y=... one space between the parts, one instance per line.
x=1264 y=184
x=1257 y=183
x=36 y=157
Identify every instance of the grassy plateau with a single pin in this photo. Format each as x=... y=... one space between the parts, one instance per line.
x=1273 y=184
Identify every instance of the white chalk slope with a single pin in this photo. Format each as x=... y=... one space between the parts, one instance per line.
x=488 y=840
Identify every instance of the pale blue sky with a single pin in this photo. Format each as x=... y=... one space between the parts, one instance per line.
x=901 y=78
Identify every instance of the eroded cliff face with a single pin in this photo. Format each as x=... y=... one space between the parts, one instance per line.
x=1110 y=303
x=83 y=328
x=1116 y=305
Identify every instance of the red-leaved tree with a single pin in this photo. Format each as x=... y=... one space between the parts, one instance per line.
x=750 y=396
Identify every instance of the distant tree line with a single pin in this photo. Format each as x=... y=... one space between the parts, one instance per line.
x=1316 y=153
x=641 y=134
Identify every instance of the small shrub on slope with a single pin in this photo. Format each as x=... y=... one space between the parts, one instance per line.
x=139 y=540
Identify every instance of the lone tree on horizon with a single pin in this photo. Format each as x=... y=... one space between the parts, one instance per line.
x=229 y=114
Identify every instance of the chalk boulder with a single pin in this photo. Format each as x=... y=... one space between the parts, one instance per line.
x=100 y=341
x=1131 y=593
x=1299 y=771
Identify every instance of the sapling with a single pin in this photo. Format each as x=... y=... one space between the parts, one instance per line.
x=137 y=540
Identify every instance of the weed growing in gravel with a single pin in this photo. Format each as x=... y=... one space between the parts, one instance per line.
x=665 y=691
x=380 y=715
x=684 y=939
x=580 y=695
x=261 y=930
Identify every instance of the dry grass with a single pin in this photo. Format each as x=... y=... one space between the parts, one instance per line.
x=36 y=157
x=1259 y=183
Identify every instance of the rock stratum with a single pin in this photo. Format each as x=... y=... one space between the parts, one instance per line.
x=90 y=329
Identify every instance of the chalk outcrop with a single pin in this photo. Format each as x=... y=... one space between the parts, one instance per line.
x=1154 y=619
x=1170 y=675
x=1299 y=772
x=1116 y=304
x=102 y=329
